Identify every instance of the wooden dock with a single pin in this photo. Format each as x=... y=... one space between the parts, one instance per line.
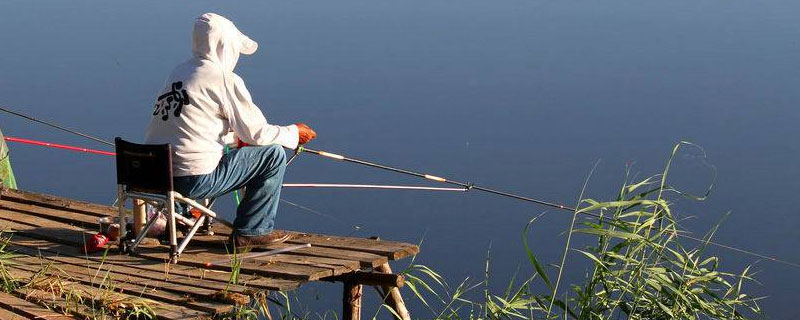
x=45 y=275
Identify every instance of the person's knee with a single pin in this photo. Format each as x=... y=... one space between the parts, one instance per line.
x=277 y=153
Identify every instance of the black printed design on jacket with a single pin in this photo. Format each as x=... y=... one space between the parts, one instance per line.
x=173 y=100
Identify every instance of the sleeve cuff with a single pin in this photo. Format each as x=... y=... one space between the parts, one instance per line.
x=291 y=138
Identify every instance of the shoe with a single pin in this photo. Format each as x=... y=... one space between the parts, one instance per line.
x=274 y=237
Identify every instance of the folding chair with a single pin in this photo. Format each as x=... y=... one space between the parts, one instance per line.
x=144 y=172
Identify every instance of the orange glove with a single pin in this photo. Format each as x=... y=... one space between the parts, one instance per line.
x=305 y=132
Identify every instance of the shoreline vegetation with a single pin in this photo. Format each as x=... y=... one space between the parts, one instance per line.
x=638 y=266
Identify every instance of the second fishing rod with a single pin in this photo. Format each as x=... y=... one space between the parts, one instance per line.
x=466 y=185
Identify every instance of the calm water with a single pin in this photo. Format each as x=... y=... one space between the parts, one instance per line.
x=519 y=95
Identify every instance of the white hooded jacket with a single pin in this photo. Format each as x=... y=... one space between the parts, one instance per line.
x=203 y=101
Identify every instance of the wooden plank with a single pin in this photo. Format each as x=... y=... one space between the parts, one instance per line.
x=139 y=287
x=168 y=272
x=339 y=265
x=7 y=314
x=371 y=278
x=77 y=266
x=200 y=257
x=58 y=303
x=57 y=202
x=188 y=284
x=390 y=249
x=42 y=229
x=74 y=236
x=60 y=215
x=77 y=211
x=193 y=257
x=337 y=257
x=48 y=299
x=336 y=264
x=54 y=226
x=89 y=295
x=63 y=233
x=365 y=259
x=18 y=308
x=213 y=249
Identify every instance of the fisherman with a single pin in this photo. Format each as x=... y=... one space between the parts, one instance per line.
x=204 y=103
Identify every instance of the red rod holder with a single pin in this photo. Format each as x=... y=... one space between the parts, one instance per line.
x=59 y=146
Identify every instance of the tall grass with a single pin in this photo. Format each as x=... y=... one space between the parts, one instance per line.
x=8 y=283
x=639 y=268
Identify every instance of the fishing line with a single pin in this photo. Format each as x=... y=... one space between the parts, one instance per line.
x=465 y=186
x=717 y=244
x=296 y=153
x=354 y=226
x=75 y=132
x=748 y=252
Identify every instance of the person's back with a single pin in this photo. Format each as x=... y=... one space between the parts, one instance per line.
x=190 y=123
x=203 y=104
x=203 y=100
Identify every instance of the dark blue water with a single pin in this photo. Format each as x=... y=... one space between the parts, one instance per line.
x=521 y=95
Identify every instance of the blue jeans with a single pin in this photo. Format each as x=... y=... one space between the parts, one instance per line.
x=259 y=169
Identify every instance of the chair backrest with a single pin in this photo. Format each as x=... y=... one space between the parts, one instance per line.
x=144 y=167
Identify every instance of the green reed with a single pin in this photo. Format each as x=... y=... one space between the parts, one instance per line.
x=640 y=268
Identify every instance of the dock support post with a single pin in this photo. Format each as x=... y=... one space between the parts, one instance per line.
x=391 y=295
x=351 y=300
x=139 y=216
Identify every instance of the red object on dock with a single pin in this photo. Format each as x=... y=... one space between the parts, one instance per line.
x=95 y=243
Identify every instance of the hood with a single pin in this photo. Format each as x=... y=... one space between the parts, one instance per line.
x=217 y=39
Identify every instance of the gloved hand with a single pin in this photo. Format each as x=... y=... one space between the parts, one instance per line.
x=305 y=133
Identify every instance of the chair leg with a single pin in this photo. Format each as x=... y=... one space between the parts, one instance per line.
x=207 y=228
x=122 y=223
x=188 y=237
x=173 y=237
x=143 y=233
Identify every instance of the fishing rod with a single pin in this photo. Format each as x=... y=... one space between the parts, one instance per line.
x=285 y=185
x=58 y=146
x=368 y=186
x=55 y=126
x=464 y=185
x=471 y=186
